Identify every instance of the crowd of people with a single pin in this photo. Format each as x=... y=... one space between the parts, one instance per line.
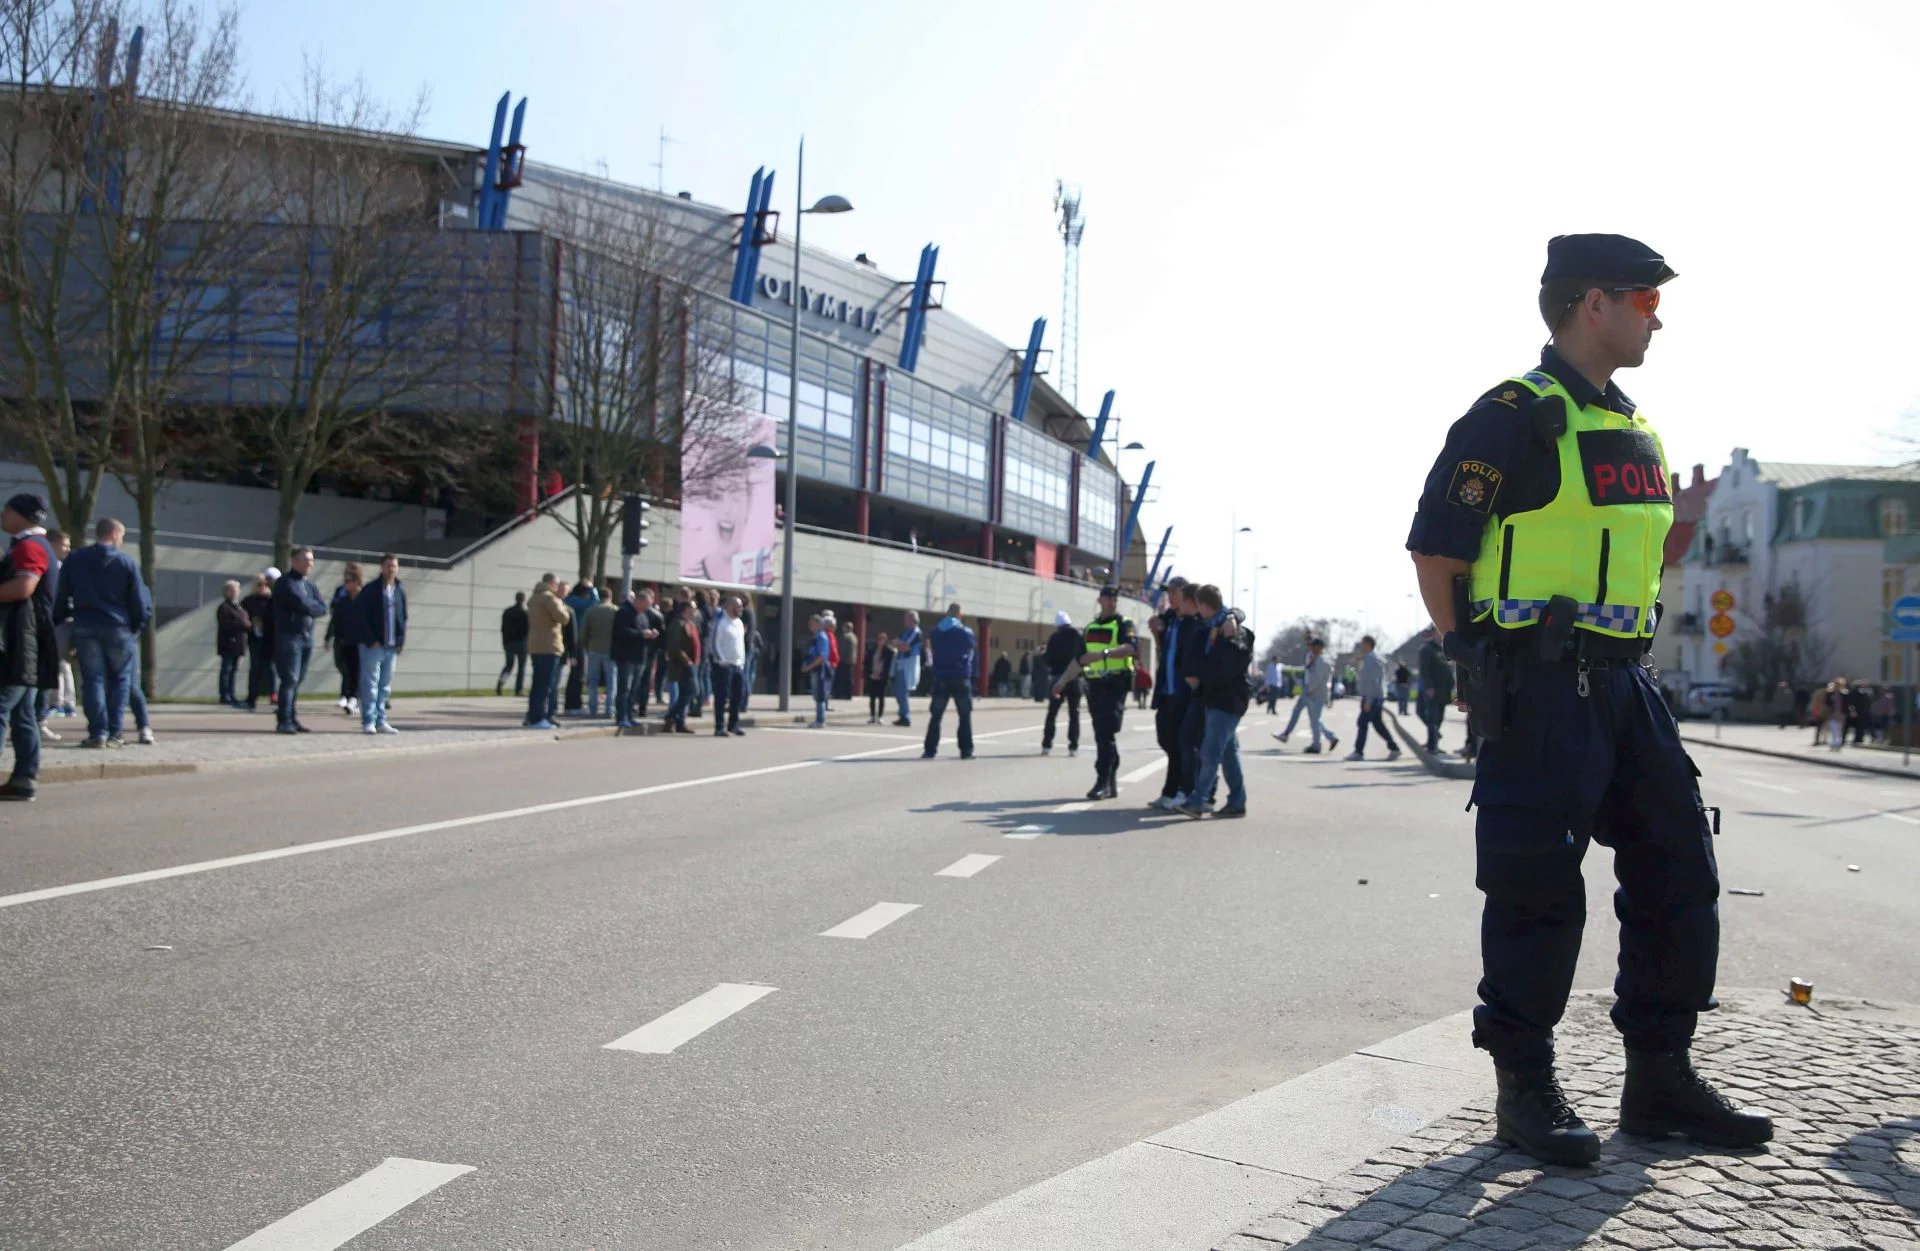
x=1840 y=710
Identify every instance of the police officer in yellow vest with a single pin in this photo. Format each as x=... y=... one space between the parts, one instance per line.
x=1538 y=544
x=1107 y=665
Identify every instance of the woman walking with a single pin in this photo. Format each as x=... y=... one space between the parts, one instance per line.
x=230 y=628
x=343 y=633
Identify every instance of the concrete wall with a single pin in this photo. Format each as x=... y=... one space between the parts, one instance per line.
x=454 y=624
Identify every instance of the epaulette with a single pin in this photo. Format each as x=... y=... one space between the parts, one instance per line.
x=1529 y=396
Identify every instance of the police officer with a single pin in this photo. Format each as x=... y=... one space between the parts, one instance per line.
x=1538 y=545
x=1107 y=665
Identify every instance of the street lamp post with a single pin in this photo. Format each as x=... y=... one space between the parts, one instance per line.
x=826 y=204
x=1233 y=561
x=1256 y=599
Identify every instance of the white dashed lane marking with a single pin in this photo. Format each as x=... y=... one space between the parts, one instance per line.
x=690 y=1019
x=966 y=866
x=342 y=1214
x=870 y=922
x=1144 y=771
x=1029 y=831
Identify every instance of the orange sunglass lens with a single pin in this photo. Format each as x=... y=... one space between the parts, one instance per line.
x=1645 y=302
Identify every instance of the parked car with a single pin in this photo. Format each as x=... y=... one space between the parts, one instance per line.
x=1703 y=699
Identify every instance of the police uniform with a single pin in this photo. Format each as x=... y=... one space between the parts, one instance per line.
x=1109 y=683
x=1557 y=493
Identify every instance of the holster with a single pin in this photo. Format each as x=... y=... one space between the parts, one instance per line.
x=1480 y=670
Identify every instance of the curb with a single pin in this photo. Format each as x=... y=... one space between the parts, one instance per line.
x=1461 y=770
x=115 y=770
x=1885 y=771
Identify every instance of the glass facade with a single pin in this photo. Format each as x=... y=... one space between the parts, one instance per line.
x=936 y=448
x=1039 y=475
x=1099 y=507
x=758 y=352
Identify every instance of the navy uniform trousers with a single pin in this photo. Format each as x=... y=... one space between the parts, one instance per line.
x=1106 y=709
x=1569 y=770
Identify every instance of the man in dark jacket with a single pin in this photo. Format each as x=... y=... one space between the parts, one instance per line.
x=296 y=606
x=954 y=660
x=29 y=658
x=1064 y=647
x=100 y=587
x=1225 y=653
x=636 y=630
x=1436 y=687
x=513 y=641
x=382 y=612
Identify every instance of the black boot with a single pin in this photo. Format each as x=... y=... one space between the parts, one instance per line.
x=1536 y=1116
x=1113 y=784
x=1664 y=1096
x=1102 y=787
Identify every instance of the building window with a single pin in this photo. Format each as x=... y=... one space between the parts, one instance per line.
x=1802 y=516
x=1893 y=516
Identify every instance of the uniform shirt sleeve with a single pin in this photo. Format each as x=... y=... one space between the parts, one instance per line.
x=1124 y=636
x=1463 y=489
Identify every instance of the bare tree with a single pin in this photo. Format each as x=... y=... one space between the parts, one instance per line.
x=355 y=319
x=642 y=369
x=1787 y=650
x=1289 y=643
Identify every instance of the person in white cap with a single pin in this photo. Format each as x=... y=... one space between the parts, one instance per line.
x=1064 y=646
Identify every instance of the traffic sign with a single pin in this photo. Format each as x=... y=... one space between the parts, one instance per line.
x=1720 y=624
x=1723 y=601
x=1904 y=626
x=1719 y=649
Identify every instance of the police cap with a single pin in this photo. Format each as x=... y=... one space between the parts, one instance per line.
x=1109 y=591
x=1604 y=258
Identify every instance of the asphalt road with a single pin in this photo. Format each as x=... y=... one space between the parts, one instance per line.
x=191 y=1059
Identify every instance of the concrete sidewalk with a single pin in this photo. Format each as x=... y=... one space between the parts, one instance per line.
x=1842 y=1079
x=195 y=738
x=1797 y=744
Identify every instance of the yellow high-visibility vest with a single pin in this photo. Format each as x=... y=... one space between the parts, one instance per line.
x=1105 y=634
x=1600 y=540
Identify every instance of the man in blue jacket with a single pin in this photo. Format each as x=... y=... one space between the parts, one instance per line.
x=382 y=609
x=296 y=606
x=952 y=646
x=100 y=587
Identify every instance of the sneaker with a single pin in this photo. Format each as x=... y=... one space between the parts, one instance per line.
x=278 y=729
x=1356 y=754
x=1393 y=753
x=300 y=729
x=66 y=710
x=1311 y=751
x=367 y=729
x=93 y=743
x=926 y=755
x=542 y=724
x=146 y=736
x=1046 y=751
x=1333 y=741
x=737 y=732
x=1191 y=810
x=114 y=740
x=341 y=703
x=1282 y=737
x=902 y=721
x=15 y=793
x=1167 y=803
x=386 y=727
x=1073 y=751
x=1232 y=810
x=47 y=732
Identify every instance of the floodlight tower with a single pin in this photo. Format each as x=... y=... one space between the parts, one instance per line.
x=1066 y=204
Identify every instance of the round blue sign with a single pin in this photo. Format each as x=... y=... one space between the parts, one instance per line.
x=1906 y=610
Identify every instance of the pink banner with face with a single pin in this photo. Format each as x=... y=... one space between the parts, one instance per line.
x=727 y=532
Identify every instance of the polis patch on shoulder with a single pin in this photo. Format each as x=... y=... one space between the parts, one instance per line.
x=1475 y=484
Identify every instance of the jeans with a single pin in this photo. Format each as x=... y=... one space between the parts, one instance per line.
x=20 y=711
x=1370 y=715
x=629 y=687
x=543 y=690
x=1313 y=706
x=702 y=685
x=960 y=691
x=902 y=688
x=599 y=678
x=1219 y=753
x=229 y=670
x=729 y=693
x=682 y=689
x=1193 y=729
x=290 y=660
x=822 y=691
x=516 y=665
x=1070 y=696
x=106 y=670
x=136 y=697
x=376 y=683
x=750 y=676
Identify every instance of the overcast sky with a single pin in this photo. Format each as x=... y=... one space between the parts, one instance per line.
x=1314 y=231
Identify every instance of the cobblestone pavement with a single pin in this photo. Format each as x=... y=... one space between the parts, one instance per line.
x=1842 y=1080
